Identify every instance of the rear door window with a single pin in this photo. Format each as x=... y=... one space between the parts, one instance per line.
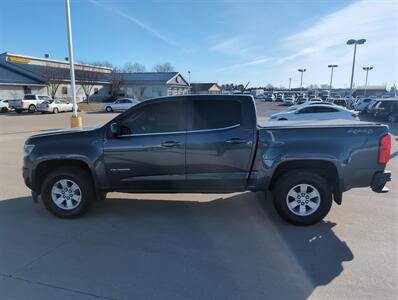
x=214 y=114
x=29 y=97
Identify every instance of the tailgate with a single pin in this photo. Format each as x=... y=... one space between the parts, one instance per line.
x=15 y=103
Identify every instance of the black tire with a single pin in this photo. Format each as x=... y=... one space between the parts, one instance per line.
x=55 y=110
x=31 y=109
x=282 y=119
x=4 y=109
x=293 y=178
x=108 y=109
x=81 y=178
x=18 y=111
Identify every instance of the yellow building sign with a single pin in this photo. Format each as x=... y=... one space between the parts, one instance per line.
x=18 y=59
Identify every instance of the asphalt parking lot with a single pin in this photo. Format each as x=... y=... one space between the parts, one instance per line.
x=141 y=247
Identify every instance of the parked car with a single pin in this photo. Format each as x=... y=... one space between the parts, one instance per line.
x=393 y=116
x=207 y=143
x=384 y=108
x=268 y=97
x=340 y=102
x=120 y=104
x=4 y=106
x=279 y=97
x=294 y=107
x=288 y=100
x=362 y=104
x=301 y=100
x=372 y=106
x=316 y=112
x=28 y=103
x=54 y=106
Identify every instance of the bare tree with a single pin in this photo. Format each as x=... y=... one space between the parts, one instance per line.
x=133 y=67
x=166 y=67
x=116 y=79
x=89 y=78
x=54 y=77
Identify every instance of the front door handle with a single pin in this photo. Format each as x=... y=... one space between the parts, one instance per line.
x=236 y=141
x=170 y=144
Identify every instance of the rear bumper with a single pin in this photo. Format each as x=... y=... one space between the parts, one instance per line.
x=379 y=181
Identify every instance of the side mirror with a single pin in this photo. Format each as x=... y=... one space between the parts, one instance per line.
x=115 y=129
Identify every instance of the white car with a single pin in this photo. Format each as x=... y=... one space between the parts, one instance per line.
x=362 y=104
x=3 y=106
x=316 y=112
x=288 y=100
x=120 y=104
x=54 y=106
x=294 y=107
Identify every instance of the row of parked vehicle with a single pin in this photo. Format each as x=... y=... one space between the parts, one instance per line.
x=35 y=103
x=384 y=108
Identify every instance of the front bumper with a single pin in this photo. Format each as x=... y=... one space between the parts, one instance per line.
x=379 y=181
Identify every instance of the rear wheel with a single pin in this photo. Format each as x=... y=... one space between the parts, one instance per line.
x=108 y=109
x=302 y=197
x=282 y=119
x=67 y=192
x=55 y=110
x=4 y=109
x=31 y=108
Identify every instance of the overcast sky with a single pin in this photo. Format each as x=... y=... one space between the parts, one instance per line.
x=222 y=41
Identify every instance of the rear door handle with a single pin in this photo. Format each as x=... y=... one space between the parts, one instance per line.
x=170 y=144
x=236 y=141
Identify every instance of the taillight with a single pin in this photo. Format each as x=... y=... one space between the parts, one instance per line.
x=385 y=149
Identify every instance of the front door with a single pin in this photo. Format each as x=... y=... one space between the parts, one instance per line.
x=219 y=144
x=150 y=151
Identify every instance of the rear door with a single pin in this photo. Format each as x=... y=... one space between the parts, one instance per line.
x=220 y=139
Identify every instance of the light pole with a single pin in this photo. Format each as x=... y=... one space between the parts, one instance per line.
x=76 y=120
x=331 y=78
x=367 y=69
x=301 y=81
x=290 y=82
x=355 y=43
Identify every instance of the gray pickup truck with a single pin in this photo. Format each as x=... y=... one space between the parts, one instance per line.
x=207 y=144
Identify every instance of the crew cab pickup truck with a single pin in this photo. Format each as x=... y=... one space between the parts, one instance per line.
x=208 y=144
x=28 y=103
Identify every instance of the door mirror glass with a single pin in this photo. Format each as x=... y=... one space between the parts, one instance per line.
x=115 y=129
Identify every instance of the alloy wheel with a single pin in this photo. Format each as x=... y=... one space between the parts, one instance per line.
x=66 y=194
x=303 y=199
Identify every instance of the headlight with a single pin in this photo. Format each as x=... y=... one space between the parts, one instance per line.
x=27 y=149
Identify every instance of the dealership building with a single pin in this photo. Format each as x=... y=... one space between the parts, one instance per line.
x=21 y=74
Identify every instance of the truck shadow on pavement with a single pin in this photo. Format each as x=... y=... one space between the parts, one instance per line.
x=232 y=248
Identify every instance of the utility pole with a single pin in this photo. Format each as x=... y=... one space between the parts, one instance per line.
x=355 y=43
x=290 y=83
x=367 y=69
x=331 y=78
x=76 y=121
x=301 y=81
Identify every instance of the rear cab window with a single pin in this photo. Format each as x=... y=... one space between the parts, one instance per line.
x=214 y=114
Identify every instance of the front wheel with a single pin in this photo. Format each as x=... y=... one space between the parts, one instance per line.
x=4 y=109
x=302 y=197
x=67 y=192
x=108 y=109
x=55 y=110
